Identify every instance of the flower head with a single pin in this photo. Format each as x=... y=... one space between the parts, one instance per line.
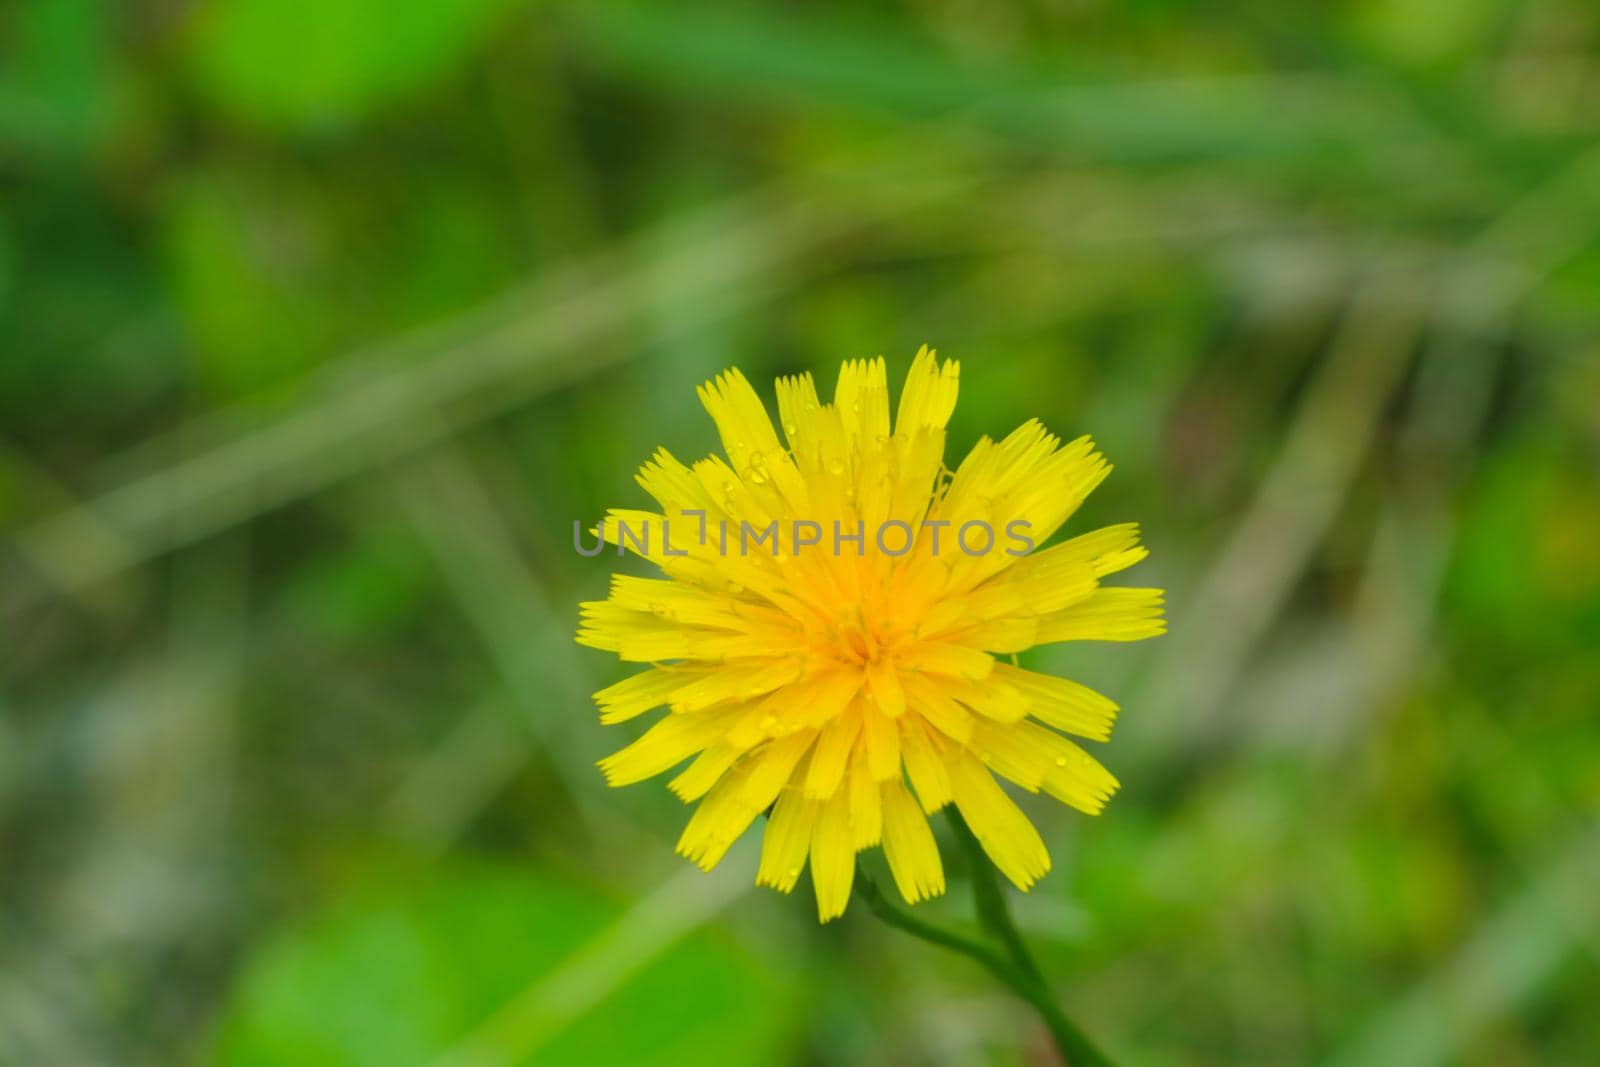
x=832 y=635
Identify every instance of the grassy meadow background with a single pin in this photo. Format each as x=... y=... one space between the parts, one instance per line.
x=322 y=320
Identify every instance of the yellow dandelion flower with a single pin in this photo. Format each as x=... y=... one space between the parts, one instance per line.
x=832 y=632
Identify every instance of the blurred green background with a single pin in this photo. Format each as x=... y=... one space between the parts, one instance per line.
x=320 y=321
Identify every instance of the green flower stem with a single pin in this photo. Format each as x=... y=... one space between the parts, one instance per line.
x=994 y=914
x=880 y=906
x=1014 y=966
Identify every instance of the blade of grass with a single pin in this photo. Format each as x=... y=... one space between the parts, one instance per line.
x=1502 y=964
x=601 y=965
x=404 y=395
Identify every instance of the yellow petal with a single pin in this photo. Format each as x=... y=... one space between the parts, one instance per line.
x=741 y=418
x=667 y=743
x=924 y=765
x=866 y=810
x=1005 y=833
x=831 y=755
x=640 y=692
x=992 y=698
x=1108 y=549
x=930 y=700
x=706 y=771
x=787 y=840
x=909 y=847
x=884 y=683
x=881 y=742
x=1036 y=757
x=674 y=486
x=745 y=681
x=862 y=399
x=716 y=824
x=929 y=394
x=772 y=767
x=833 y=857
x=947 y=659
x=1113 y=613
x=797 y=403
x=1062 y=703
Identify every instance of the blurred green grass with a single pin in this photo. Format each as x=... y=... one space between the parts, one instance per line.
x=321 y=322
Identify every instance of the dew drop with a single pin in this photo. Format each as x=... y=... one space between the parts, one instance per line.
x=1061 y=761
x=836 y=465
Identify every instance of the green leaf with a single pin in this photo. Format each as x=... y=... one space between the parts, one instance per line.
x=1525 y=572
x=244 y=266
x=58 y=89
x=319 y=64
x=404 y=974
